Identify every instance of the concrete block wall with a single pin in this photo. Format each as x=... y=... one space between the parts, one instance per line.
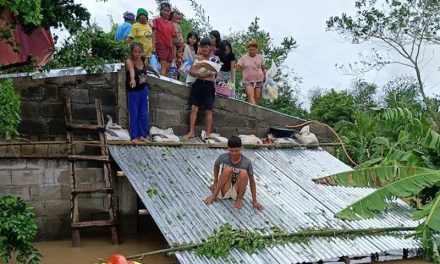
x=44 y=184
x=43 y=100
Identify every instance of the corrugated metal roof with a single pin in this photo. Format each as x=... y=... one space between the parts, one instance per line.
x=292 y=202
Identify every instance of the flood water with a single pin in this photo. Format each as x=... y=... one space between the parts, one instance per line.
x=99 y=249
x=94 y=249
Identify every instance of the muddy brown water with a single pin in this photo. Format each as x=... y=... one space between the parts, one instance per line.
x=96 y=248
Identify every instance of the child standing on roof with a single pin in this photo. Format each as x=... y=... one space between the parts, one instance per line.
x=163 y=33
x=142 y=32
x=203 y=89
x=252 y=65
x=178 y=42
x=191 y=46
x=136 y=67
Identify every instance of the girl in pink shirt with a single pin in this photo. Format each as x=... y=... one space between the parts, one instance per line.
x=254 y=72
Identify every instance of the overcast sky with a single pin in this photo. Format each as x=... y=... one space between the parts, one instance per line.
x=318 y=50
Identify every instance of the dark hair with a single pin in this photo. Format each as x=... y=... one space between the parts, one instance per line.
x=135 y=44
x=222 y=50
x=205 y=41
x=174 y=12
x=163 y=5
x=234 y=142
x=217 y=37
x=196 y=45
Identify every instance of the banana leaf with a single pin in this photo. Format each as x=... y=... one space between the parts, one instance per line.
x=377 y=200
x=432 y=213
x=432 y=140
x=371 y=177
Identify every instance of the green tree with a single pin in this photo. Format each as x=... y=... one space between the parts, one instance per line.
x=403 y=27
x=91 y=48
x=404 y=151
x=17 y=231
x=364 y=94
x=332 y=107
x=9 y=110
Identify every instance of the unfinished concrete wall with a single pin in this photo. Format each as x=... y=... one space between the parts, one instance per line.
x=43 y=100
x=42 y=105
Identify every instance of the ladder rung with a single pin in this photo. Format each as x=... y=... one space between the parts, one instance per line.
x=72 y=126
x=88 y=157
x=93 y=223
x=99 y=190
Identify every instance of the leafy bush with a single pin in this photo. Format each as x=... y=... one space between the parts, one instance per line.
x=9 y=110
x=17 y=231
x=91 y=48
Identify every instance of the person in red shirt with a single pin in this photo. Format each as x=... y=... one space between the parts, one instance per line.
x=163 y=33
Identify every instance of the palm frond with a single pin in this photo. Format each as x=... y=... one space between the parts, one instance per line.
x=377 y=200
x=371 y=177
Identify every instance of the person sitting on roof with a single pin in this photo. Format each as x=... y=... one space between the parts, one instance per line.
x=235 y=171
x=124 y=29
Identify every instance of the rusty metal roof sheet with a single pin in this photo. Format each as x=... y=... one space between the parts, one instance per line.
x=284 y=185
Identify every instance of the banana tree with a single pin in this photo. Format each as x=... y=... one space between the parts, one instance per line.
x=392 y=182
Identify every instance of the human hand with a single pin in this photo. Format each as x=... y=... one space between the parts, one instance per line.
x=257 y=206
x=209 y=200
x=132 y=83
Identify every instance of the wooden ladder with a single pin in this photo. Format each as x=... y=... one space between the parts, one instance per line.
x=103 y=158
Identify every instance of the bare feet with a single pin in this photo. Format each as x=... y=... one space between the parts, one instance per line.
x=188 y=136
x=135 y=141
x=238 y=203
x=209 y=200
x=143 y=139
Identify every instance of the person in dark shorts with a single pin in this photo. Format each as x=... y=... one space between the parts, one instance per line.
x=235 y=171
x=203 y=89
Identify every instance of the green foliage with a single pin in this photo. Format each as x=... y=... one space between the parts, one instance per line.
x=363 y=94
x=91 y=48
x=402 y=27
x=332 y=107
x=17 y=231
x=9 y=110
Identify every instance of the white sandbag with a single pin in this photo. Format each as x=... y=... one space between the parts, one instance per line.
x=214 y=138
x=163 y=135
x=155 y=130
x=285 y=140
x=114 y=131
x=250 y=139
x=165 y=138
x=306 y=137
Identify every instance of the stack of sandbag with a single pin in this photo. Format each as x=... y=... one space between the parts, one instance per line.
x=163 y=135
x=114 y=131
x=306 y=137
x=250 y=140
x=214 y=138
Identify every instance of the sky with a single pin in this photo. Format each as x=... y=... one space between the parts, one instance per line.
x=318 y=50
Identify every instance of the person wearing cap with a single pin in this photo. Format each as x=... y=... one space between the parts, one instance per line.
x=124 y=29
x=163 y=33
x=142 y=32
x=252 y=65
x=203 y=89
